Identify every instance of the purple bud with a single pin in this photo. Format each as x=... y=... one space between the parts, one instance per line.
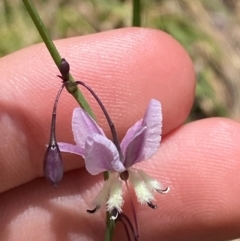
x=53 y=164
x=64 y=69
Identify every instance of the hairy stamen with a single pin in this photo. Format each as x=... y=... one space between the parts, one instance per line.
x=151 y=205
x=93 y=210
x=163 y=191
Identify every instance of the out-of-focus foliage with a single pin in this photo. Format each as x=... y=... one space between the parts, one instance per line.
x=209 y=32
x=207 y=29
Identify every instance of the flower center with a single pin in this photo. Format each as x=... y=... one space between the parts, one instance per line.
x=124 y=175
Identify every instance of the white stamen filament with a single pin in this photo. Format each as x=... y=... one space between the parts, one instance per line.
x=143 y=194
x=103 y=194
x=152 y=183
x=115 y=199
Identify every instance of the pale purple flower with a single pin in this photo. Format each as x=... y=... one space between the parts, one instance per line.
x=140 y=143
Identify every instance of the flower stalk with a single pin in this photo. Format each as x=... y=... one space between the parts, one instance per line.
x=72 y=89
x=136 y=13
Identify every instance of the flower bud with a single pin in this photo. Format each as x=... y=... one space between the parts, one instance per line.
x=64 y=69
x=53 y=164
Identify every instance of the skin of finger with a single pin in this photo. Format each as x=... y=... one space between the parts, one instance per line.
x=199 y=162
x=125 y=67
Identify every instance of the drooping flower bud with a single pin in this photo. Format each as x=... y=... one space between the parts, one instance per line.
x=53 y=164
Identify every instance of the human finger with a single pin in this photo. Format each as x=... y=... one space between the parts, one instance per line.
x=125 y=67
x=200 y=162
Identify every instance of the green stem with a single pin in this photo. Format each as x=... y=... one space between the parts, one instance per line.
x=136 y=12
x=72 y=89
x=110 y=228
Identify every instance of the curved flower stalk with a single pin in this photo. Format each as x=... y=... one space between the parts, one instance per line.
x=53 y=164
x=140 y=143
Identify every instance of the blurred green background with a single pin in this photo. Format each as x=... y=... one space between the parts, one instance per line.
x=209 y=31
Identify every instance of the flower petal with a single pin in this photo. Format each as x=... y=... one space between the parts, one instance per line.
x=153 y=121
x=133 y=153
x=130 y=135
x=66 y=147
x=82 y=126
x=143 y=139
x=101 y=155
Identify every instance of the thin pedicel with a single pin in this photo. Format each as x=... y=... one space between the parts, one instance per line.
x=53 y=164
x=64 y=69
x=123 y=218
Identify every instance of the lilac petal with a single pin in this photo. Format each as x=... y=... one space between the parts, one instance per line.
x=82 y=126
x=101 y=155
x=70 y=148
x=153 y=121
x=130 y=135
x=147 y=142
x=133 y=153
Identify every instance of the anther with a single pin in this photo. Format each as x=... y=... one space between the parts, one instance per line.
x=114 y=214
x=151 y=205
x=163 y=191
x=93 y=210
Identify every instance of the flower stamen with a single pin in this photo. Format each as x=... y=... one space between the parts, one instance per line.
x=163 y=191
x=151 y=205
x=93 y=210
x=114 y=214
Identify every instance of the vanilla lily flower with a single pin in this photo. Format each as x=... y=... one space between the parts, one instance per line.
x=140 y=143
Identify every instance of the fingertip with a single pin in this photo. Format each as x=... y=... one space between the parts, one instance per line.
x=128 y=67
x=200 y=163
x=125 y=67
